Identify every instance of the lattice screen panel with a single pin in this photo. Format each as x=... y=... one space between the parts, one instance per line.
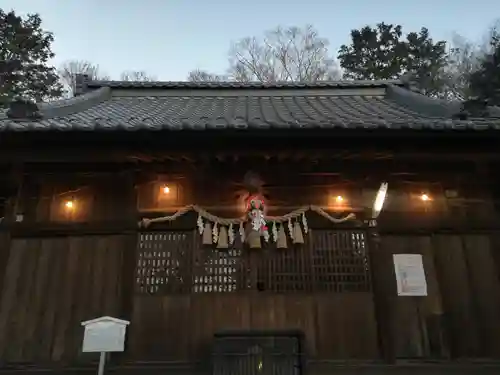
x=176 y=262
x=340 y=261
x=219 y=271
x=163 y=263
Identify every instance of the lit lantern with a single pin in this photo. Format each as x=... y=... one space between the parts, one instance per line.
x=339 y=199
x=425 y=197
x=166 y=190
x=70 y=205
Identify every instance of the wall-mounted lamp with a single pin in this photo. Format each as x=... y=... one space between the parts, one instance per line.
x=378 y=204
x=70 y=205
x=166 y=189
x=425 y=198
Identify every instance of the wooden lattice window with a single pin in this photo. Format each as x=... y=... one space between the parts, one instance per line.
x=176 y=262
x=218 y=271
x=340 y=261
x=163 y=263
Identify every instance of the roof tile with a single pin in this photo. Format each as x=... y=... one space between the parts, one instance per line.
x=217 y=106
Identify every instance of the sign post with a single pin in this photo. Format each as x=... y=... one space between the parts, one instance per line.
x=104 y=335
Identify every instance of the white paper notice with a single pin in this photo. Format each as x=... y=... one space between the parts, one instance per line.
x=410 y=275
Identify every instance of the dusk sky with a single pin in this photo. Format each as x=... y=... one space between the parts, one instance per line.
x=168 y=38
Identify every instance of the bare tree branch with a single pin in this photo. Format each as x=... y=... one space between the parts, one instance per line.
x=464 y=59
x=69 y=69
x=284 y=54
x=137 y=76
x=203 y=76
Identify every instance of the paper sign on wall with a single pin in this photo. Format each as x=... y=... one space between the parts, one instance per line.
x=410 y=275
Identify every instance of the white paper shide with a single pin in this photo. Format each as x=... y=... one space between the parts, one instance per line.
x=105 y=334
x=410 y=275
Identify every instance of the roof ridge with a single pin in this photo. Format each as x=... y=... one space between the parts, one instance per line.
x=242 y=85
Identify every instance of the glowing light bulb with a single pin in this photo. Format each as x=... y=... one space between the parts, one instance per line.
x=425 y=197
x=70 y=205
x=339 y=199
x=166 y=190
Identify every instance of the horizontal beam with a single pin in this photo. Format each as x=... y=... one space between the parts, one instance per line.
x=69 y=156
x=68 y=229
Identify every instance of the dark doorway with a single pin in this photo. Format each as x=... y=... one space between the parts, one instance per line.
x=258 y=353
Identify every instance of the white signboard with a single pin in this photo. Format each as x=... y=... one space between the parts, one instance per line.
x=410 y=275
x=104 y=334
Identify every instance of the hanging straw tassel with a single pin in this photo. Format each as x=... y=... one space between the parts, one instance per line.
x=253 y=238
x=222 y=243
x=281 y=240
x=298 y=237
x=207 y=234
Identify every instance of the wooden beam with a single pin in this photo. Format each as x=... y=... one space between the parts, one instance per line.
x=47 y=229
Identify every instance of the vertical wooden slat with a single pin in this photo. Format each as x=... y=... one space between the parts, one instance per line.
x=65 y=322
x=15 y=323
x=23 y=313
x=9 y=294
x=56 y=247
x=38 y=303
x=485 y=286
x=97 y=279
x=456 y=292
x=83 y=310
x=78 y=246
x=111 y=298
x=431 y=307
x=384 y=292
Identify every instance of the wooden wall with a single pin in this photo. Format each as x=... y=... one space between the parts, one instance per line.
x=459 y=317
x=50 y=286
x=53 y=280
x=336 y=326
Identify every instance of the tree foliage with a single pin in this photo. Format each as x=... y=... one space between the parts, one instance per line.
x=25 y=49
x=284 y=54
x=485 y=81
x=384 y=53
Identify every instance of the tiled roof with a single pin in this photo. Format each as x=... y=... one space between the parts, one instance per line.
x=152 y=106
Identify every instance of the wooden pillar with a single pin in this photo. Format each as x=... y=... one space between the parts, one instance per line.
x=129 y=253
x=381 y=271
x=9 y=217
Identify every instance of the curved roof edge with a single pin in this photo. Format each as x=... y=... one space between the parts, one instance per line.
x=423 y=104
x=433 y=107
x=65 y=107
x=76 y=104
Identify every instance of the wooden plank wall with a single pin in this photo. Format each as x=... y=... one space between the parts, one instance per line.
x=51 y=285
x=336 y=326
x=459 y=317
